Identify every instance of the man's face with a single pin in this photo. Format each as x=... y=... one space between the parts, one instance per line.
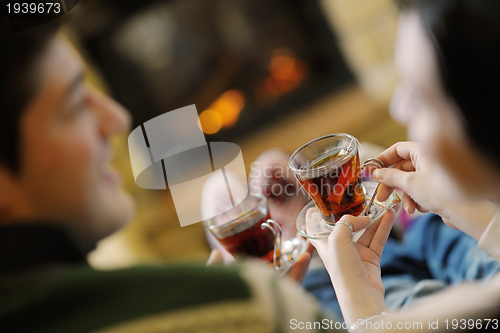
x=65 y=150
x=433 y=119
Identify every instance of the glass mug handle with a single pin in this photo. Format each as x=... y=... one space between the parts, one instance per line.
x=379 y=164
x=276 y=230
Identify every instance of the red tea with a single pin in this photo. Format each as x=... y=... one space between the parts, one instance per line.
x=336 y=190
x=248 y=238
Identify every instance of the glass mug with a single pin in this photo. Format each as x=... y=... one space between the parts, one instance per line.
x=247 y=230
x=329 y=170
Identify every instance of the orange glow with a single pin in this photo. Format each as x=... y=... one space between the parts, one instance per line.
x=282 y=65
x=285 y=74
x=210 y=121
x=229 y=106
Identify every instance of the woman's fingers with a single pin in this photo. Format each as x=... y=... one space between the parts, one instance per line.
x=367 y=235
x=405 y=165
x=379 y=239
x=421 y=209
x=389 y=178
x=299 y=269
x=373 y=230
x=408 y=204
x=384 y=192
x=402 y=156
x=398 y=152
x=356 y=222
x=342 y=233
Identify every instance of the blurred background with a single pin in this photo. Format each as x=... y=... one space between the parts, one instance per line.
x=262 y=74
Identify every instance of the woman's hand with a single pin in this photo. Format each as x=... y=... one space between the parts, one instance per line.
x=354 y=267
x=411 y=172
x=414 y=173
x=299 y=269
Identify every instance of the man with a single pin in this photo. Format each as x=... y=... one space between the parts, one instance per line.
x=59 y=196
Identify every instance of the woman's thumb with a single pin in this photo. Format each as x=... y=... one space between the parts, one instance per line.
x=390 y=178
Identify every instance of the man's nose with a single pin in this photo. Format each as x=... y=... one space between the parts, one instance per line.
x=113 y=117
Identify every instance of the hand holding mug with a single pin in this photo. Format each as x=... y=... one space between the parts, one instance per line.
x=354 y=267
x=415 y=173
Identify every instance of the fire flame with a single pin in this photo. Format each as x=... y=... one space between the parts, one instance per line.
x=223 y=112
x=285 y=74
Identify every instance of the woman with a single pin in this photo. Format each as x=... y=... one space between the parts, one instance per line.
x=447 y=55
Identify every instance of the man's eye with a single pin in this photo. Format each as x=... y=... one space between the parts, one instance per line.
x=81 y=105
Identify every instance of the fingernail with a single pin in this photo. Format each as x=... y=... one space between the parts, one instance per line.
x=376 y=174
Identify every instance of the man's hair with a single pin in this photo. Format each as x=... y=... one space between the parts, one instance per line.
x=466 y=39
x=20 y=55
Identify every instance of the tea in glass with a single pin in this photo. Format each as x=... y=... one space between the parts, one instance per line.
x=241 y=232
x=329 y=170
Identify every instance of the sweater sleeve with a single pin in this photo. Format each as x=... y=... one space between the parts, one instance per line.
x=175 y=298
x=490 y=239
x=289 y=307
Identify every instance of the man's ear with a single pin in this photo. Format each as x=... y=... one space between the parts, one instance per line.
x=9 y=191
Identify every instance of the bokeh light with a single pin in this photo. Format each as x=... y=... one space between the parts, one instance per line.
x=229 y=106
x=285 y=74
x=223 y=112
x=210 y=121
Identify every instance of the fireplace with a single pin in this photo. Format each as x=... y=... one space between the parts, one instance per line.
x=243 y=63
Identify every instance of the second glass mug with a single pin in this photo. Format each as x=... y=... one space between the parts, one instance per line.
x=329 y=170
x=247 y=230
